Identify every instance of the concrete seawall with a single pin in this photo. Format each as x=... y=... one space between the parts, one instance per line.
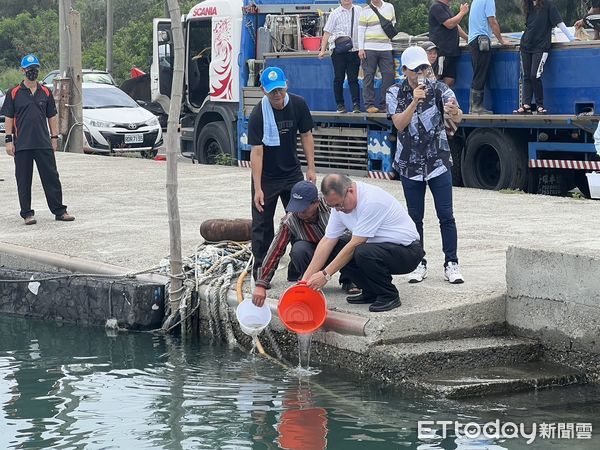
x=554 y=296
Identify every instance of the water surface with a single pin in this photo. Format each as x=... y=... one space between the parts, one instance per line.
x=69 y=387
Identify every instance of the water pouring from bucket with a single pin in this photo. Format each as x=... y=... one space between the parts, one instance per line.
x=302 y=311
x=252 y=319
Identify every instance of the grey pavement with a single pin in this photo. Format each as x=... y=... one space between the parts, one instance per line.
x=121 y=218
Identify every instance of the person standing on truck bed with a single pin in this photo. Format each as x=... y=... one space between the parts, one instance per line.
x=32 y=135
x=482 y=23
x=445 y=32
x=341 y=33
x=419 y=107
x=541 y=16
x=273 y=126
x=594 y=10
x=375 y=50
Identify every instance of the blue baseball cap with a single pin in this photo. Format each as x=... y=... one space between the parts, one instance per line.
x=273 y=78
x=303 y=194
x=29 y=60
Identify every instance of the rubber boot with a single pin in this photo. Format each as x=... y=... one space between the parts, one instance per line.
x=476 y=106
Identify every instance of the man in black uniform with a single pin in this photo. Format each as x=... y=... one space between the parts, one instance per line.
x=444 y=32
x=30 y=109
x=273 y=126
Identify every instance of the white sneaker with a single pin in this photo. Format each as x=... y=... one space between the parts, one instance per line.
x=452 y=273
x=419 y=274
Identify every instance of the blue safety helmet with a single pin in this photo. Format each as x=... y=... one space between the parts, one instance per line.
x=29 y=60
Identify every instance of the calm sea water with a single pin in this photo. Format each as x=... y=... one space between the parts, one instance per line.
x=68 y=387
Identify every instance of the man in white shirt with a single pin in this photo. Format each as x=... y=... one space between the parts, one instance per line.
x=342 y=25
x=384 y=242
x=375 y=50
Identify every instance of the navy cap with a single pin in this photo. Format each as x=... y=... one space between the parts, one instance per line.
x=303 y=194
x=273 y=78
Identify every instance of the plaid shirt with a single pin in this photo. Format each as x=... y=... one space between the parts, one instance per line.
x=292 y=227
x=422 y=149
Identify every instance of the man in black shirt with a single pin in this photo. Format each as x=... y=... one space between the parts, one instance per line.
x=30 y=110
x=444 y=32
x=273 y=126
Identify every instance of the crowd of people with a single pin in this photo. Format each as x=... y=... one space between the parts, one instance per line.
x=362 y=36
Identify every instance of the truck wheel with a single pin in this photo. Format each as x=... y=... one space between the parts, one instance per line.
x=493 y=161
x=212 y=141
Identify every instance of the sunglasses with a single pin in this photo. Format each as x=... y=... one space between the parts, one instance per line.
x=421 y=68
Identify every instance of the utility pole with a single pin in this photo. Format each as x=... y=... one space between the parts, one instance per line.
x=62 y=89
x=75 y=136
x=109 y=35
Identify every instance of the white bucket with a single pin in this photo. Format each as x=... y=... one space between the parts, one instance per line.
x=594 y=184
x=252 y=319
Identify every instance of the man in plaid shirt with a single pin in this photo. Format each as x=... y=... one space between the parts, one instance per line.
x=303 y=225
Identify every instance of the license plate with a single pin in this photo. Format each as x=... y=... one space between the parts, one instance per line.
x=2 y=127
x=137 y=138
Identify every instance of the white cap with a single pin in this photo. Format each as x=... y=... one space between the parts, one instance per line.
x=414 y=57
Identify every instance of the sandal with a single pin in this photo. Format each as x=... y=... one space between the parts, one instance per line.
x=351 y=289
x=523 y=109
x=541 y=110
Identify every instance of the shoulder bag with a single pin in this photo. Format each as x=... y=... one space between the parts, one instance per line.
x=388 y=27
x=344 y=44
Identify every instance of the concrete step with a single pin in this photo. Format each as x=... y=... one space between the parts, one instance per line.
x=416 y=359
x=472 y=382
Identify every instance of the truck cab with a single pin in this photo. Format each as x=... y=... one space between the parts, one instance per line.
x=212 y=30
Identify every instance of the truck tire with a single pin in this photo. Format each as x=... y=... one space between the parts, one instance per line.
x=493 y=161
x=212 y=140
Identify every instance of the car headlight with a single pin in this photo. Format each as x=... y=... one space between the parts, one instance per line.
x=100 y=124
x=153 y=122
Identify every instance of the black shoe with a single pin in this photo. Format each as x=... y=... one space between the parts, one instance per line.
x=356 y=108
x=385 y=304
x=361 y=299
x=341 y=108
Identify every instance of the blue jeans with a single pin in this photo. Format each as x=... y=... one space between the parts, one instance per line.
x=441 y=189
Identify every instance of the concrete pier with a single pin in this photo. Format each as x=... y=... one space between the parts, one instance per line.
x=121 y=219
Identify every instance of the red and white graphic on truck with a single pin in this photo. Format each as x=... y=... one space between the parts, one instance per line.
x=204 y=11
x=222 y=77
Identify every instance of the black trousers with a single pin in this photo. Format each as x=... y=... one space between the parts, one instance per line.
x=481 y=65
x=262 y=223
x=373 y=265
x=46 y=165
x=533 y=67
x=302 y=254
x=345 y=65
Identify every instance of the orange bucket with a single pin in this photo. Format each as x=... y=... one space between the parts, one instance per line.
x=302 y=309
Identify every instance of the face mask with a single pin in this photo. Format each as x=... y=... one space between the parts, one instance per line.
x=32 y=74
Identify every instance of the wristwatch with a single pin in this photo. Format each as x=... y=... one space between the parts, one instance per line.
x=326 y=275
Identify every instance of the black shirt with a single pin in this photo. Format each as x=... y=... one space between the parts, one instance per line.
x=445 y=39
x=30 y=113
x=538 y=27
x=281 y=162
